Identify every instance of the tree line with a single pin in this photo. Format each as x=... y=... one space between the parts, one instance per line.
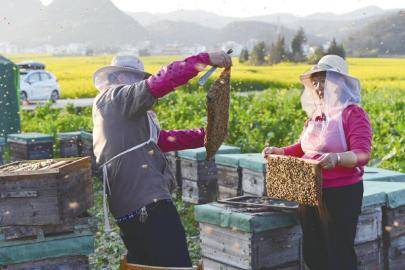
x=278 y=52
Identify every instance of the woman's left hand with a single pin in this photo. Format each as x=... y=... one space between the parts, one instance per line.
x=328 y=161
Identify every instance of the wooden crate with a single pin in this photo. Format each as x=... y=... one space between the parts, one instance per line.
x=199 y=176
x=294 y=179
x=369 y=226
x=69 y=144
x=370 y=256
x=55 y=195
x=30 y=146
x=253 y=175
x=63 y=263
x=233 y=239
x=86 y=150
x=174 y=163
x=25 y=251
x=229 y=175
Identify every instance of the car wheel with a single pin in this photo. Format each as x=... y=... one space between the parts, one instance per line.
x=23 y=96
x=54 y=96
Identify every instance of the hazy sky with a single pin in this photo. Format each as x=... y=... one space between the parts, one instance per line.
x=243 y=8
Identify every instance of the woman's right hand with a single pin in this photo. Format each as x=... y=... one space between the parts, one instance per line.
x=220 y=59
x=271 y=150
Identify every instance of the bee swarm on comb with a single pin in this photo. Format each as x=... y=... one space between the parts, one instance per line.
x=294 y=179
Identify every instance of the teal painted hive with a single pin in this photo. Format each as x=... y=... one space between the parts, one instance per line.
x=229 y=174
x=253 y=175
x=30 y=146
x=377 y=174
x=231 y=239
x=69 y=144
x=199 y=176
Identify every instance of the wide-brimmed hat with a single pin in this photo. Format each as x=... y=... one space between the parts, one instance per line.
x=127 y=64
x=333 y=63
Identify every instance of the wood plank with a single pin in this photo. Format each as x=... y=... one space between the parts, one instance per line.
x=369 y=227
x=64 y=263
x=370 y=256
x=253 y=183
x=201 y=170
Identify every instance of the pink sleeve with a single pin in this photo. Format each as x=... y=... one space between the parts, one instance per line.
x=358 y=133
x=176 y=140
x=294 y=150
x=176 y=74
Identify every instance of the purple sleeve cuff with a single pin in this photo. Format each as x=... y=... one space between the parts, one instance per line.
x=176 y=74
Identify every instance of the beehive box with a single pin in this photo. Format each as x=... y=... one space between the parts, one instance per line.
x=55 y=194
x=253 y=175
x=199 y=176
x=229 y=175
x=393 y=223
x=370 y=256
x=377 y=174
x=63 y=263
x=174 y=163
x=69 y=144
x=86 y=149
x=33 y=251
x=294 y=179
x=233 y=239
x=2 y=146
x=30 y=146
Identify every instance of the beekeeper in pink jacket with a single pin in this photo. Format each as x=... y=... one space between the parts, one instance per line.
x=338 y=134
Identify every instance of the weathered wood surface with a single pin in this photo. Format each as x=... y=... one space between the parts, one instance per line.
x=394 y=252
x=370 y=256
x=253 y=183
x=34 y=151
x=44 y=197
x=199 y=192
x=369 y=227
x=199 y=170
x=64 y=263
x=294 y=179
x=174 y=163
x=394 y=222
x=229 y=181
x=218 y=100
x=264 y=250
x=69 y=147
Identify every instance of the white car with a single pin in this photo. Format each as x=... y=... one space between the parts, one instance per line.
x=38 y=85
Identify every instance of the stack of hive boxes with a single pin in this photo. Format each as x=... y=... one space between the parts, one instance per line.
x=44 y=222
x=199 y=176
x=2 y=146
x=30 y=146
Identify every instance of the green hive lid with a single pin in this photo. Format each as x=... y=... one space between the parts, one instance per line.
x=30 y=138
x=76 y=244
x=394 y=192
x=377 y=174
x=373 y=195
x=199 y=153
x=222 y=216
x=254 y=162
x=68 y=135
x=231 y=160
x=84 y=135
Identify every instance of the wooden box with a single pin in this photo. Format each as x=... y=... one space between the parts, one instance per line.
x=86 y=150
x=62 y=263
x=30 y=146
x=54 y=194
x=233 y=239
x=69 y=144
x=199 y=176
x=370 y=256
x=253 y=175
x=174 y=163
x=26 y=251
x=229 y=175
x=369 y=226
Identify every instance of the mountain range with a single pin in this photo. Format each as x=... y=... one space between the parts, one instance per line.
x=100 y=24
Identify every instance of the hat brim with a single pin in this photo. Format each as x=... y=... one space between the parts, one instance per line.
x=308 y=74
x=102 y=72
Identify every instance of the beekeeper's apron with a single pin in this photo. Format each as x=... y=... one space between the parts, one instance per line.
x=154 y=136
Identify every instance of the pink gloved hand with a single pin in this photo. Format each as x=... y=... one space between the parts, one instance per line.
x=220 y=59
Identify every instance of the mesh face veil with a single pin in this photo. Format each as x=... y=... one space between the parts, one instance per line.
x=339 y=92
x=106 y=80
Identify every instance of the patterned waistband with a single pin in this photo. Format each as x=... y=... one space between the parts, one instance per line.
x=136 y=213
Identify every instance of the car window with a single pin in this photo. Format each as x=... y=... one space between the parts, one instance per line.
x=33 y=78
x=45 y=76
